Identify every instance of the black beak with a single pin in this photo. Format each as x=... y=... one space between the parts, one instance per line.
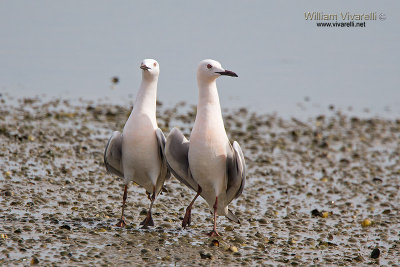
x=227 y=73
x=144 y=67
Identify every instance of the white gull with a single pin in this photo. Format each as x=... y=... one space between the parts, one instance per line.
x=208 y=164
x=138 y=153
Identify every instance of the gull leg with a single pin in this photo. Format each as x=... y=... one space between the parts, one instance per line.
x=122 y=222
x=214 y=231
x=148 y=221
x=148 y=195
x=188 y=214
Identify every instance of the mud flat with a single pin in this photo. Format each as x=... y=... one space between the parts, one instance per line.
x=321 y=191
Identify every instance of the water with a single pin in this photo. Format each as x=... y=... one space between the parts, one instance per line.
x=72 y=49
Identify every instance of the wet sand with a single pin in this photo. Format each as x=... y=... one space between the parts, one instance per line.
x=321 y=191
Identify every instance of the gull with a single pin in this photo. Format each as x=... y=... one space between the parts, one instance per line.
x=208 y=163
x=138 y=153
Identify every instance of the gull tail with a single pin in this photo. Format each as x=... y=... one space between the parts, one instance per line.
x=232 y=217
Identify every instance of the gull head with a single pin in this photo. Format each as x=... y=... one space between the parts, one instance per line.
x=150 y=69
x=209 y=70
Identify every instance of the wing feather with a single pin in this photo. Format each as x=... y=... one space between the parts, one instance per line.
x=161 y=145
x=236 y=172
x=113 y=154
x=176 y=152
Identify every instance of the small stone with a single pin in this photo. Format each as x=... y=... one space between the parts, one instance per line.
x=144 y=251
x=262 y=221
x=205 y=255
x=115 y=80
x=366 y=223
x=66 y=227
x=34 y=261
x=325 y=214
x=64 y=253
x=375 y=253
x=215 y=243
x=316 y=213
x=229 y=228
x=234 y=249
x=377 y=180
x=143 y=212
x=166 y=258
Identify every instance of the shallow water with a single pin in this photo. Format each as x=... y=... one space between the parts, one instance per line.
x=72 y=50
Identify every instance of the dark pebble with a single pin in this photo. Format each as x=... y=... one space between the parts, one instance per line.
x=115 y=80
x=66 y=227
x=143 y=212
x=214 y=243
x=144 y=251
x=377 y=180
x=204 y=255
x=316 y=213
x=34 y=261
x=64 y=253
x=375 y=253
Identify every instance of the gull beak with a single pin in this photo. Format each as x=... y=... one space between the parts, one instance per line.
x=227 y=73
x=144 y=67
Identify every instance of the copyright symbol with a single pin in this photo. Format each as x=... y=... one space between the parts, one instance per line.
x=382 y=16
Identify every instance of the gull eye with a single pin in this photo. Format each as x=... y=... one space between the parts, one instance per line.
x=209 y=66
x=155 y=64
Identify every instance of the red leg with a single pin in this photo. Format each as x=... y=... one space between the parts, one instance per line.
x=122 y=222
x=148 y=195
x=188 y=214
x=148 y=221
x=214 y=231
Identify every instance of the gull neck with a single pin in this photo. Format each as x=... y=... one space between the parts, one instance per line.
x=146 y=97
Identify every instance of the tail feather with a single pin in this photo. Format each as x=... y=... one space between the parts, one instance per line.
x=232 y=217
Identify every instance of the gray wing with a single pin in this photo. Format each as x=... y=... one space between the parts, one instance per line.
x=176 y=152
x=236 y=172
x=113 y=154
x=161 y=145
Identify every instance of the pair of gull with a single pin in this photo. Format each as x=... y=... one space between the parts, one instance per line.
x=208 y=164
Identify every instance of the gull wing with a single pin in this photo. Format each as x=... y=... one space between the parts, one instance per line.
x=236 y=172
x=176 y=152
x=113 y=154
x=161 y=145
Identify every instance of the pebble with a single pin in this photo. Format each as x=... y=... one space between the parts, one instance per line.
x=325 y=214
x=233 y=249
x=366 y=223
x=375 y=253
x=34 y=261
x=215 y=243
x=205 y=255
